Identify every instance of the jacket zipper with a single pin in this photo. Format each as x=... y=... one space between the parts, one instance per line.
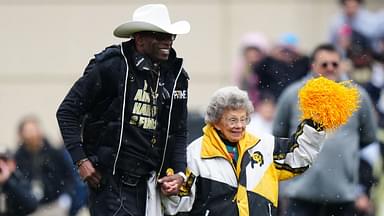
x=206 y=212
x=242 y=156
x=123 y=109
x=169 y=121
x=234 y=166
x=270 y=209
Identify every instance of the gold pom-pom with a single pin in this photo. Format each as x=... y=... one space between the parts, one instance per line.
x=328 y=103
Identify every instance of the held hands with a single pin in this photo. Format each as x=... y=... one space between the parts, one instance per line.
x=170 y=184
x=89 y=174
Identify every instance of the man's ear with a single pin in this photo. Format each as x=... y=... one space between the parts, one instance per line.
x=139 y=39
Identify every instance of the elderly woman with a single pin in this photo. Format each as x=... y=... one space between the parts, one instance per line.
x=232 y=172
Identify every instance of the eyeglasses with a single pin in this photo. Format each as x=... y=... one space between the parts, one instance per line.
x=232 y=122
x=160 y=36
x=326 y=64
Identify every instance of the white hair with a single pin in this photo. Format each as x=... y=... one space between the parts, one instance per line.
x=230 y=97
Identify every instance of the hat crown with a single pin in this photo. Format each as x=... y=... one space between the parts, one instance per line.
x=151 y=17
x=153 y=13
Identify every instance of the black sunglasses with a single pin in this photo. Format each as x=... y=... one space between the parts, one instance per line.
x=160 y=36
x=326 y=64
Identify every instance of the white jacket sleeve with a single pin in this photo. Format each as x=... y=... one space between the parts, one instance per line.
x=184 y=201
x=186 y=197
x=297 y=153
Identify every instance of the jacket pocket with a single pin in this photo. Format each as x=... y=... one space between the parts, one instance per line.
x=110 y=135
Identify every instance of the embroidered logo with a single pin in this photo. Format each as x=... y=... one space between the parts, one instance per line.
x=180 y=94
x=257 y=158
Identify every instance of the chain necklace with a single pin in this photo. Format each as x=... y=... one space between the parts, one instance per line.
x=154 y=103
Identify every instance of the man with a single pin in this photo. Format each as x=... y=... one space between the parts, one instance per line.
x=330 y=186
x=50 y=175
x=16 y=197
x=124 y=121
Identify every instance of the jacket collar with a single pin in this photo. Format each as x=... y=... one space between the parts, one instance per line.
x=142 y=62
x=213 y=146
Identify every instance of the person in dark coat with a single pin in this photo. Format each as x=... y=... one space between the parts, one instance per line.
x=48 y=172
x=283 y=66
x=16 y=197
x=124 y=121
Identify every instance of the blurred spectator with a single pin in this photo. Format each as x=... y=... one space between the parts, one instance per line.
x=378 y=190
x=357 y=18
x=365 y=70
x=46 y=168
x=343 y=39
x=285 y=65
x=262 y=117
x=379 y=54
x=330 y=186
x=254 y=48
x=379 y=43
x=369 y=157
x=16 y=197
x=360 y=61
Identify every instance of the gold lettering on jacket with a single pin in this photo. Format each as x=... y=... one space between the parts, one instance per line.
x=144 y=113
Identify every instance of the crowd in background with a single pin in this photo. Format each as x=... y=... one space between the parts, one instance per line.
x=41 y=179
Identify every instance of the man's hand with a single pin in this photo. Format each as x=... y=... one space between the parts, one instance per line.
x=89 y=174
x=170 y=184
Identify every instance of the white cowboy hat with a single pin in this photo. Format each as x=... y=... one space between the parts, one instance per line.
x=151 y=17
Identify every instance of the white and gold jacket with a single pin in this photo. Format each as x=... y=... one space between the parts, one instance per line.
x=217 y=187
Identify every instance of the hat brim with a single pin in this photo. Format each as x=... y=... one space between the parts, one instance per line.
x=127 y=29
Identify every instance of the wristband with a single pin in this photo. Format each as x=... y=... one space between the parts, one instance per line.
x=80 y=162
x=183 y=176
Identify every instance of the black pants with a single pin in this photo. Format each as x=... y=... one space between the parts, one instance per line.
x=118 y=197
x=298 y=207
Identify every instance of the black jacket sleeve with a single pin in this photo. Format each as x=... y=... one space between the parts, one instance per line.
x=179 y=152
x=74 y=106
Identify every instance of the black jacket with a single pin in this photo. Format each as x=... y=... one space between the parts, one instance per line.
x=275 y=75
x=90 y=116
x=19 y=198
x=49 y=168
